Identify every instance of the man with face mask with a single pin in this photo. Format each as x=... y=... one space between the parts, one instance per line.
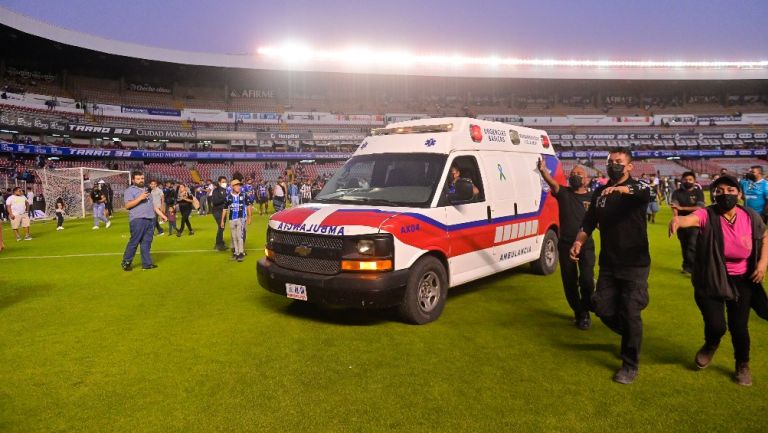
x=686 y=200
x=218 y=203
x=755 y=190
x=618 y=209
x=578 y=278
x=730 y=265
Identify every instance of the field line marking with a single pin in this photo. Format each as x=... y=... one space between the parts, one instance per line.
x=112 y=254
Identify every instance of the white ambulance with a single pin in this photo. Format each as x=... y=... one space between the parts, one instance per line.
x=421 y=206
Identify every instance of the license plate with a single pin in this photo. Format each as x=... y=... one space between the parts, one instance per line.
x=296 y=291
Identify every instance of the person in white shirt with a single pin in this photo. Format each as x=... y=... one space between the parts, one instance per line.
x=306 y=192
x=278 y=195
x=18 y=210
x=31 y=200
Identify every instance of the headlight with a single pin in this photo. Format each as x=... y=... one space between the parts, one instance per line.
x=365 y=247
x=380 y=246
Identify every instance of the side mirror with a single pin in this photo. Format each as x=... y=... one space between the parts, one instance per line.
x=463 y=192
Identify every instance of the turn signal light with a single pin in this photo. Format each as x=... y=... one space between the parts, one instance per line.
x=366 y=265
x=269 y=253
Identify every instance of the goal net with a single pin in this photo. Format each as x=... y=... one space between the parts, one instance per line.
x=73 y=186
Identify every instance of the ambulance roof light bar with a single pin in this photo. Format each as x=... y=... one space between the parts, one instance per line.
x=418 y=129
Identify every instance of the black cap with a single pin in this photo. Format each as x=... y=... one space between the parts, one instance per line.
x=726 y=179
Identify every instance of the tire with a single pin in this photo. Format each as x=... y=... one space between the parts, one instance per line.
x=548 y=258
x=425 y=292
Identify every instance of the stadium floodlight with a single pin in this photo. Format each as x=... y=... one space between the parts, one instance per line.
x=301 y=53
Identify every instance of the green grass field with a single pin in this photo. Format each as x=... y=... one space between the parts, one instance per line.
x=197 y=346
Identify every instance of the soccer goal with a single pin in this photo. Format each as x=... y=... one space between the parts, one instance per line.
x=74 y=185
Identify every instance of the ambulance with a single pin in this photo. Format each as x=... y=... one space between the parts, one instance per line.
x=422 y=206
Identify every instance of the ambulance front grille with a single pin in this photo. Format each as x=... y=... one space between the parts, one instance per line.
x=321 y=255
x=308 y=264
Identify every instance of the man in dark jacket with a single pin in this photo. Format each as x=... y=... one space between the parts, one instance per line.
x=218 y=203
x=619 y=210
x=578 y=278
x=686 y=200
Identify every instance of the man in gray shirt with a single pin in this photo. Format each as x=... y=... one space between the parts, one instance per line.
x=141 y=214
x=158 y=202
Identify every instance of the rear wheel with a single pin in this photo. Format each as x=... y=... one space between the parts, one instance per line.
x=425 y=292
x=547 y=262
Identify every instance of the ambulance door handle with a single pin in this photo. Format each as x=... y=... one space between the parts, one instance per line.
x=489 y=214
x=515 y=209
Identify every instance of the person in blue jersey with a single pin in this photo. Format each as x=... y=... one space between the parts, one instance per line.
x=755 y=189
x=293 y=191
x=262 y=196
x=249 y=189
x=238 y=210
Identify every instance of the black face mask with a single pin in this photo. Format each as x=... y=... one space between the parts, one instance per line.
x=751 y=177
x=687 y=185
x=726 y=202
x=575 y=181
x=615 y=171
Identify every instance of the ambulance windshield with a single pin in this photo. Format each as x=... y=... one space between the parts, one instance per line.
x=389 y=179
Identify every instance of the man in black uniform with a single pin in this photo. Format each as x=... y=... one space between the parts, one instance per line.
x=218 y=203
x=618 y=209
x=578 y=278
x=107 y=188
x=685 y=200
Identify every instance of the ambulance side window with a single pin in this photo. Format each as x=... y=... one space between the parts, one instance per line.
x=468 y=169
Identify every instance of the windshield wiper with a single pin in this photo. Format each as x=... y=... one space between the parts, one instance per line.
x=371 y=201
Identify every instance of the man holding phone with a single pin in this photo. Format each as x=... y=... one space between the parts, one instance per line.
x=141 y=216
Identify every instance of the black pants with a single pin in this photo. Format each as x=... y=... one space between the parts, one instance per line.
x=59 y=220
x=688 y=237
x=620 y=296
x=737 y=318
x=578 y=278
x=185 y=212
x=219 y=231
x=157 y=226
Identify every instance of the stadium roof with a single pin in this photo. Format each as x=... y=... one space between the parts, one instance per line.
x=400 y=63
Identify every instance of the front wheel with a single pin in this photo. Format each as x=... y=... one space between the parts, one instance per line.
x=425 y=292
x=547 y=261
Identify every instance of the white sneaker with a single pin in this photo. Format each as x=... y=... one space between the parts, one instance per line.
x=109 y=223
x=95 y=228
x=60 y=228
x=28 y=238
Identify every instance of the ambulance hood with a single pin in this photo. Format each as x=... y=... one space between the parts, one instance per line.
x=333 y=219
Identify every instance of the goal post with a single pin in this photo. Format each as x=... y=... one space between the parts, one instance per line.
x=73 y=186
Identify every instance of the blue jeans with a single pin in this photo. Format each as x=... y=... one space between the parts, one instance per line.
x=98 y=213
x=142 y=231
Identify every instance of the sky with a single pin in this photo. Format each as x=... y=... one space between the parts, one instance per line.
x=591 y=29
